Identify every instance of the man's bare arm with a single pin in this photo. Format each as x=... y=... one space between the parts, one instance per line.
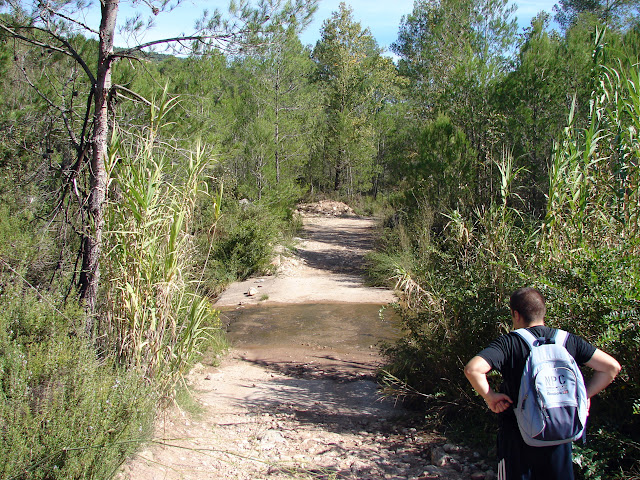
x=605 y=367
x=476 y=372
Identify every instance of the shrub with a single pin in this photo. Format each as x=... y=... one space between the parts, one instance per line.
x=64 y=413
x=593 y=291
x=244 y=242
x=454 y=302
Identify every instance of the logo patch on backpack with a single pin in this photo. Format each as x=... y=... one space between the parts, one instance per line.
x=552 y=403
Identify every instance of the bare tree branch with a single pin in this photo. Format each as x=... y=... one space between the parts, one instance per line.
x=48 y=101
x=72 y=20
x=69 y=51
x=131 y=94
x=224 y=38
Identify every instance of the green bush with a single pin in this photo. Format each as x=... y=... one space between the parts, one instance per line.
x=454 y=302
x=64 y=413
x=594 y=292
x=244 y=242
x=456 y=290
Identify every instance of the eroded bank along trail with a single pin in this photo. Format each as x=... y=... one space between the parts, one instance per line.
x=303 y=404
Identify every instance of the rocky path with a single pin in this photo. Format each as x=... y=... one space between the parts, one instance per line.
x=255 y=421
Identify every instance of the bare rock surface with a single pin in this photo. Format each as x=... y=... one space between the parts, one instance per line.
x=293 y=413
x=327 y=208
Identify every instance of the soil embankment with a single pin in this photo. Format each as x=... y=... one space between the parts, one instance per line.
x=301 y=410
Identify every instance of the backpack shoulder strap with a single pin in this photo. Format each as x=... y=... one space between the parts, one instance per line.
x=561 y=337
x=527 y=336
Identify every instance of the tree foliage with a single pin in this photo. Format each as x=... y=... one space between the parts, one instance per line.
x=274 y=106
x=356 y=82
x=447 y=48
x=609 y=12
x=453 y=53
x=50 y=27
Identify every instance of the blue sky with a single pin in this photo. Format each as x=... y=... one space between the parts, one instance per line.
x=382 y=17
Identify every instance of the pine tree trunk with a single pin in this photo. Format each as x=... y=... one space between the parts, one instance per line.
x=92 y=242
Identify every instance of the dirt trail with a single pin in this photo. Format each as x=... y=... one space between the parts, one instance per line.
x=326 y=267
x=258 y=421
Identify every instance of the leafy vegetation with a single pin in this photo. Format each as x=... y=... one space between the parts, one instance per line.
x=65 y=412
x=581 y=253
x=157 y=321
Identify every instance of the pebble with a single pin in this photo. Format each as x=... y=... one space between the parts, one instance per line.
x=439 y=457
x=449 y=448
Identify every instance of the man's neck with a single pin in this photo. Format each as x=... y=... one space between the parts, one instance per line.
x=518 y=322
x=534 y=324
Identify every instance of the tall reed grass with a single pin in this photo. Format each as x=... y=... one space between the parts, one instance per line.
x=154 y=319
x=594 y=176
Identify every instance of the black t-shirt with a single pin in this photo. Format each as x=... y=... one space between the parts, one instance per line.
x=508 y=354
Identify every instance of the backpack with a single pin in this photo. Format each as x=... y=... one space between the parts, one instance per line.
x=552 y=404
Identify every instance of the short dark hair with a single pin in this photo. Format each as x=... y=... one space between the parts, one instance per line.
x=529 y=303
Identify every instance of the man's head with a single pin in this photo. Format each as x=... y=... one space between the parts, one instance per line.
x=529 y=303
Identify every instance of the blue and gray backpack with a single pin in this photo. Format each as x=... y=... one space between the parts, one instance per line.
x=552 y=404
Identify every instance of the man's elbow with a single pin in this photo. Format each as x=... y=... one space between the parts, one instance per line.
x=475 y=366
x=612 y=370
x=612 y=367
x=604 y=363
x=468 y=370
x=615 y=368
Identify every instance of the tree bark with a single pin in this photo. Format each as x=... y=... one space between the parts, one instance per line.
x=92 y=242
x=277 y=114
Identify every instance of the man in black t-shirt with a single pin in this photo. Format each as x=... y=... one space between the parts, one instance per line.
x=508 y=354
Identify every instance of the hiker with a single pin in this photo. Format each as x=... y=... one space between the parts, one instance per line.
x=508 y=355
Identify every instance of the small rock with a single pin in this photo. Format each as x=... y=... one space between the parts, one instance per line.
x=358 y=466
x=439 y=457
x=478 y=476
x=453 y=463
x=431 y=472
x=449 y=448
x=270 y=438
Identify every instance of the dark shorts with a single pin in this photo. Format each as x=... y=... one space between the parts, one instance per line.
x=519 y=461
